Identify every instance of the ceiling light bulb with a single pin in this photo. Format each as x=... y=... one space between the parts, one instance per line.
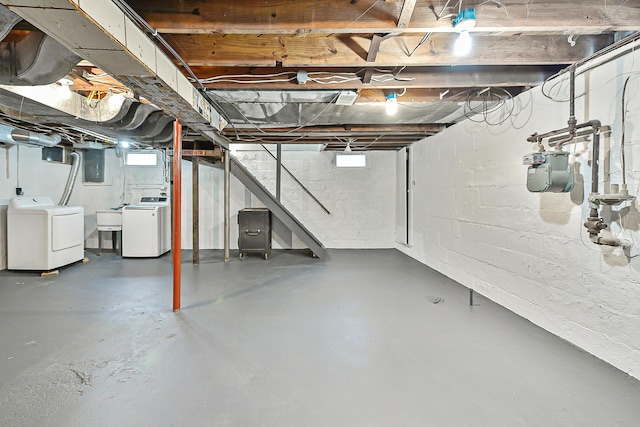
x=463 y=44
x=392 y=104
x=124 y=144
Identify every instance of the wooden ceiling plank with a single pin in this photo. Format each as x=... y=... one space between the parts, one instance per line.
x=337 y=51
x=332 y=16
x=407 y=11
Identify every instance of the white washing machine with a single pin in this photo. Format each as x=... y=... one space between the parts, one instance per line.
x=42 y=235
x=146 y=228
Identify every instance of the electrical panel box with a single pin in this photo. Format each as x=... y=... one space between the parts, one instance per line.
x=549 y=172
x=254 y=234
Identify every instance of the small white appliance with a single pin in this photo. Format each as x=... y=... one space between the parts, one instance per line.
x=109 y=221
x=42 y=235
x=146 y=228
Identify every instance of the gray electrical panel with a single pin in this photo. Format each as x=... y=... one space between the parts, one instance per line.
x=549 y=172
x=254 y=234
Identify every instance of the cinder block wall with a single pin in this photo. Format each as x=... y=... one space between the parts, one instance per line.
x=361 y=200
x=474 y=220
x=40 y=178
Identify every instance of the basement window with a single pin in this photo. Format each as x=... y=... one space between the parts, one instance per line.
x=351 y=160
x=142 y=159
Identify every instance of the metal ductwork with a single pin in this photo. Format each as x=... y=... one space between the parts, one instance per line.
x=12 y=135
x=8 y=20
x=37 y=59
x=144 y=123
x=71 y=180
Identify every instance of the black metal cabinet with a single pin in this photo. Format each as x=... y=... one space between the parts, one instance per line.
x=254 y=234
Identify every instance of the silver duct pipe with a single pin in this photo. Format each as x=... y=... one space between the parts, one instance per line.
x=12 y=135
x=75 y=167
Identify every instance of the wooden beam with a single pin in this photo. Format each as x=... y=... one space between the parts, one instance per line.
x=304 y=17
x=412 y=77
x=375 y=45
x=405 y=15
x=366 y=79
x=338 y=51
x=345 y=130
x=202 y=153
x=364 y=142
x=374 y=48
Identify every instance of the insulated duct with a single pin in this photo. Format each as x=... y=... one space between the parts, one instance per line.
x=71 y=180
x=37 y=59
x=8 y=20
x=12 y=135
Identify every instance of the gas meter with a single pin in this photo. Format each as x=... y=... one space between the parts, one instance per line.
x=549 y=172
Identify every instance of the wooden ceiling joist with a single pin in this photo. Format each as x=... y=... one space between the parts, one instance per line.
x=407 y=11
x=410 y=77
x=374 y=16
x=344 y=130
x=352 y=51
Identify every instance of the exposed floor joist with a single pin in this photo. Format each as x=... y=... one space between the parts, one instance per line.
x=302 y=70
x=216 y=50
x=374 y=16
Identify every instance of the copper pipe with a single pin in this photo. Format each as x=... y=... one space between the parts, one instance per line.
x=177 y=219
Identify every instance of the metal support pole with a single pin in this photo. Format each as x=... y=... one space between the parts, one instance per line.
x=177 y=218
x=195 y=208
x=227 y=196
x=278 y=170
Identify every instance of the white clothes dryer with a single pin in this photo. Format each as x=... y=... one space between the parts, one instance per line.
x=42 y=235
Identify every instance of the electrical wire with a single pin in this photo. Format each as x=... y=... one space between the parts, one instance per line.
x=611 y=48
x=521 y=108
x=363 y=13
x=490 y=102
x=423 y=41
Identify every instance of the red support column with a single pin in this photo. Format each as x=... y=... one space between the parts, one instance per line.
x=177 y=206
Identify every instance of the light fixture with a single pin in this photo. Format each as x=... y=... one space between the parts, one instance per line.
x=124 y=144
x=392 y=104
x=462 y=23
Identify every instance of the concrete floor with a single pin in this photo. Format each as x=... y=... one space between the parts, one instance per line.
x=368 y=338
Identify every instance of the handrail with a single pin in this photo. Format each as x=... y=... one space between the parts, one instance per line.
x=298 y=181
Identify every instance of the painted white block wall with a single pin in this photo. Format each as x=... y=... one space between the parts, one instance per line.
x=361 y=200
x=40 y=178
x=211 y=212
x=474 y=220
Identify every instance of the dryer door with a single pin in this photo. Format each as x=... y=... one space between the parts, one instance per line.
x=67 y=231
